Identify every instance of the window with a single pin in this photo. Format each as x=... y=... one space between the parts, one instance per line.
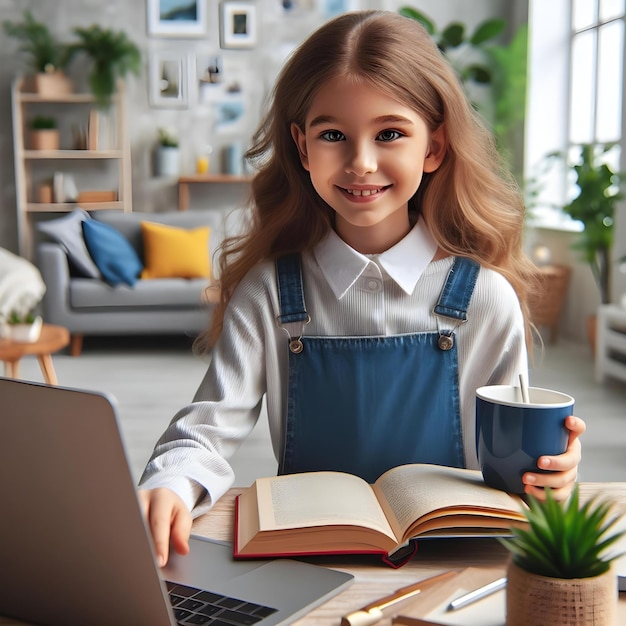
x=577 y=50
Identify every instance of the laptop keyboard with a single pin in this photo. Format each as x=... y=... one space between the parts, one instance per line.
x=196 y=606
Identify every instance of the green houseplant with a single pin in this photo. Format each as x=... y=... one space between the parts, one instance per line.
x=24 y=327
x=44 y=134
x=45 y=54
x=112 y=54
x=167 y=154
x=559 y=571
x=480 y=61
x=454 y=36
x=594 y=206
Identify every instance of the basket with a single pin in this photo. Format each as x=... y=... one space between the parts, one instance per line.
x=547 y=303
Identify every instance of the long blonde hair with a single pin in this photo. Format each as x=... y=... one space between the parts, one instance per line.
x=470 y=203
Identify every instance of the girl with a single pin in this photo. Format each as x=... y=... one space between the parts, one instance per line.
x=381 y=282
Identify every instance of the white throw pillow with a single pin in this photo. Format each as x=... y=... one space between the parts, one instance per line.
x=68 y=232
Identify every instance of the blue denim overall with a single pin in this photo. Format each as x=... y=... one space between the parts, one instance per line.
x=366 y=404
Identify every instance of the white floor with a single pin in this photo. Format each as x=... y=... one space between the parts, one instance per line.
x=151 y=378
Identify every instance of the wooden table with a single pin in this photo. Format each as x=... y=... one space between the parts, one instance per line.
x=374 y=580
x=185 y=181
x=52 y=339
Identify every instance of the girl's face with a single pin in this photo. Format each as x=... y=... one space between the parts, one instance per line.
x=366 y=153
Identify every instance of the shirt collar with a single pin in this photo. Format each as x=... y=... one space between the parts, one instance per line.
x=404 y=263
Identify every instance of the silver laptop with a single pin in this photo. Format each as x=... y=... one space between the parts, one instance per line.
x=74 y=549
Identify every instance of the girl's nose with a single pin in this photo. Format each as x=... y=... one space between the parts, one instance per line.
x=361 y=159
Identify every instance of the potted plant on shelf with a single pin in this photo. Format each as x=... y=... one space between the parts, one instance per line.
x=25 y=328
x=113 y=55
x=559 y=571
x=44 y=134
x=167 y=154
x=46 y=56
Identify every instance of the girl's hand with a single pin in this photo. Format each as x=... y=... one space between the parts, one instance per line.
x=563 y=467
x=168 y=519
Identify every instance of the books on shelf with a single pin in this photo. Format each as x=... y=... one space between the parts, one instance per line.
x=101 y=130
x=334 y=512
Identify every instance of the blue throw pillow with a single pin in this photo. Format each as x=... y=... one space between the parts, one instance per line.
x=67 y=231
x=112 y=253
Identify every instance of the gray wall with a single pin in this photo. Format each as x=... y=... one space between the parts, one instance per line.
x=254 y=69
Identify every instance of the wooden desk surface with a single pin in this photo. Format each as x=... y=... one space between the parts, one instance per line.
x=373 y=579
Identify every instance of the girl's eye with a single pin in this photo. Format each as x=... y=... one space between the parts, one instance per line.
x=389 y=135
x=332 y=135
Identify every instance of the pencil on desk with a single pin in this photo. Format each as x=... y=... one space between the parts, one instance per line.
x=477 y=594
x=373 y=612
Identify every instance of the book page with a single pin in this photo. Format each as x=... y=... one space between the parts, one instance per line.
x=410 y=492
x=318 y=499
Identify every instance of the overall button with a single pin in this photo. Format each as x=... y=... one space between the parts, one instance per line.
x=372 y=284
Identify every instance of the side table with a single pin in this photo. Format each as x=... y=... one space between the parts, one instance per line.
x=195 y=179
x=611 y=342
x=52 y=339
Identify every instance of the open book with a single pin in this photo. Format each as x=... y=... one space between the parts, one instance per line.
x=333 y=512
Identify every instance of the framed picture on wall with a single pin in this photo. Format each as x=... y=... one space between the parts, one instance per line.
x=176 y=18
x=169 y=80
x=237 y=25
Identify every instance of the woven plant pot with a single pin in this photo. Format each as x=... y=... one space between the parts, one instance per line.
x=533 y=600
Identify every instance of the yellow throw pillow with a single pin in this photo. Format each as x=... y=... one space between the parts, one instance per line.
x=171 y=252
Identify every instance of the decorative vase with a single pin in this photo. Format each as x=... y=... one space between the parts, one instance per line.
x=26 y=333
x=533 y=600
x=168 y=161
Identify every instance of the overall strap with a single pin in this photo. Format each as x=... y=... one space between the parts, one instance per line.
x=290 y=289
x=457 y=292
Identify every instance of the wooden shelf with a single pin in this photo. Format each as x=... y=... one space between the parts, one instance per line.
x=110 y=166
x=73 y=154
x=72 y=98
x=214 y=178
x=60 y=207
x=185 y=181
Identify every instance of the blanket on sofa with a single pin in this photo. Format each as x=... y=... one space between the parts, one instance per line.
x=21 y=285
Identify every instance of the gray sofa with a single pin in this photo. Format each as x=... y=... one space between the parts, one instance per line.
x=88 y=306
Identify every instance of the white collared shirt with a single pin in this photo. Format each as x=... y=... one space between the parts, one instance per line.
x=346 y=294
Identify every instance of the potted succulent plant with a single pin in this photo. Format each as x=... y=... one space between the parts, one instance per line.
x=44 y=134
x=46 y=56
x=167 y=154
x=113 y=55
x=24 y=327
x=559 y=571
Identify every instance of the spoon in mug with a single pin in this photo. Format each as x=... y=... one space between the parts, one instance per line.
x=524 y=387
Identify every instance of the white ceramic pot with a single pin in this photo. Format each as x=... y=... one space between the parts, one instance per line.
x=168 y=161
x=26 y=333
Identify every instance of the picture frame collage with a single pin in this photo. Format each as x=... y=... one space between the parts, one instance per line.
x=175 y=75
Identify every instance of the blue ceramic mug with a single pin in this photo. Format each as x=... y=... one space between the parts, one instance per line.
x=511 y=435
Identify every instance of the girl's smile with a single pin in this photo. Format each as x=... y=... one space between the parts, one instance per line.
x=364 y=194
x=366 y=153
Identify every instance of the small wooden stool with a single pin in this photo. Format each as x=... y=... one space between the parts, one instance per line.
x=52 y=339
